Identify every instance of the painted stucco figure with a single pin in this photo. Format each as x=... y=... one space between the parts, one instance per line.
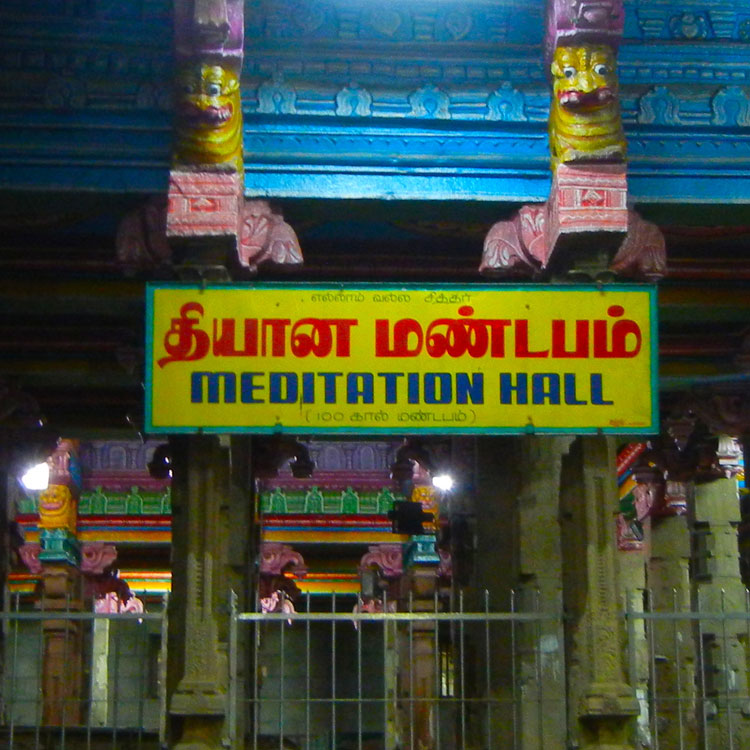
x=584 y=121
x=209 y=118
x=57 y=508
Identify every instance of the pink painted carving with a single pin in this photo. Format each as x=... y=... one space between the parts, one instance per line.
x=445 y=568
x=508 y=245
x=110 y=603
x=266 y=238
x=628 y=538
x=29 y=554
x=373 y=606
x=277 y=558
x=96 y=556
x=387 y=557
x=643 y=254
x=209 y=28
x=572 y=22
x=524 y=245
x=60 y=461
x=674 y=501
x=587 y=200
x=203 y=204
x=278 y=601
x=141 y=240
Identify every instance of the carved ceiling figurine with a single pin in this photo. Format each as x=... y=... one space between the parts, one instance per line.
x=209 y=118
x=584 y=121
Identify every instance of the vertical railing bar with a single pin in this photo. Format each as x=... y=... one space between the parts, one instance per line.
x=437 y=667
x=653 y=698
x=386 y=629
x=462 y=645
x=630 y=624
x=411 y=673
x=39 y=706
x=359 y=678
x=488 y=669
x=725 y=665
x=514 y=686
x=65 y=661
x=538 y=667
x=233 y=676
x=14 y=671
x=256 y=678
x=115 y=712
x=162 y=679
x=678 y=668
x=90 y=700
x=141 y=682
x=702 y=662
x=333 y=673
x=561 y=647
x=282 y=674
x=307 y=676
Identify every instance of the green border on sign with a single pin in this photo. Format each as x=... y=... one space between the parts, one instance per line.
x=651 y=289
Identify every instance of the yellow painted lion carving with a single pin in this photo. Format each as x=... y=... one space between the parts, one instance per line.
x=57 y=508
x=209 y=117
x=584 y=120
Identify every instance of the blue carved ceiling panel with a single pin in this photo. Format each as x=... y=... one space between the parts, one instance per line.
x=378 y=98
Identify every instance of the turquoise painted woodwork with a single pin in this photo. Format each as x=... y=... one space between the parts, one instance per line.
x=422 y=100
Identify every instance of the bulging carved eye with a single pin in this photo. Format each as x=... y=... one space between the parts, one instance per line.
x=213 y=89
x=601 y=69
x=569 y=71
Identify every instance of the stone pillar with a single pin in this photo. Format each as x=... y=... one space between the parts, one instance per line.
x=540 y=663
x=602 y=706
x=718 y=588
x=61 y=590
x=672 y=653
x=202 y=577
x=418 y=681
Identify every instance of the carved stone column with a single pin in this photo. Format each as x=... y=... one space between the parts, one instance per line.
x=718 y=588
x=197 y=679
x=602 y=705
x=417 y=689
x=540 y=586
x=668 y=580
x=61 y=589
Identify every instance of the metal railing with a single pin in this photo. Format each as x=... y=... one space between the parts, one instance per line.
x=119 y=659
x=355 y=680
x=691 y=670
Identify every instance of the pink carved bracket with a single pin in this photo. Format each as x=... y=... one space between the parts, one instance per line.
x=266 y=238
x=205 y=204
x=277 y=558
x=29 y=554
x=387 y=557
x=572 y=22
x=521 y=246
x=96 y=556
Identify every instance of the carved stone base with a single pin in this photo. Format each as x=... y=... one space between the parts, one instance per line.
x=204 y=204
x=587 y=215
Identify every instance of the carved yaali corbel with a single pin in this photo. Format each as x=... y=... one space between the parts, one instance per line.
x=205 y=225
x=585 y=228
x=206 y=182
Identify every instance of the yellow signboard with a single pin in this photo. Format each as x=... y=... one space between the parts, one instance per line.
x=373 y=359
